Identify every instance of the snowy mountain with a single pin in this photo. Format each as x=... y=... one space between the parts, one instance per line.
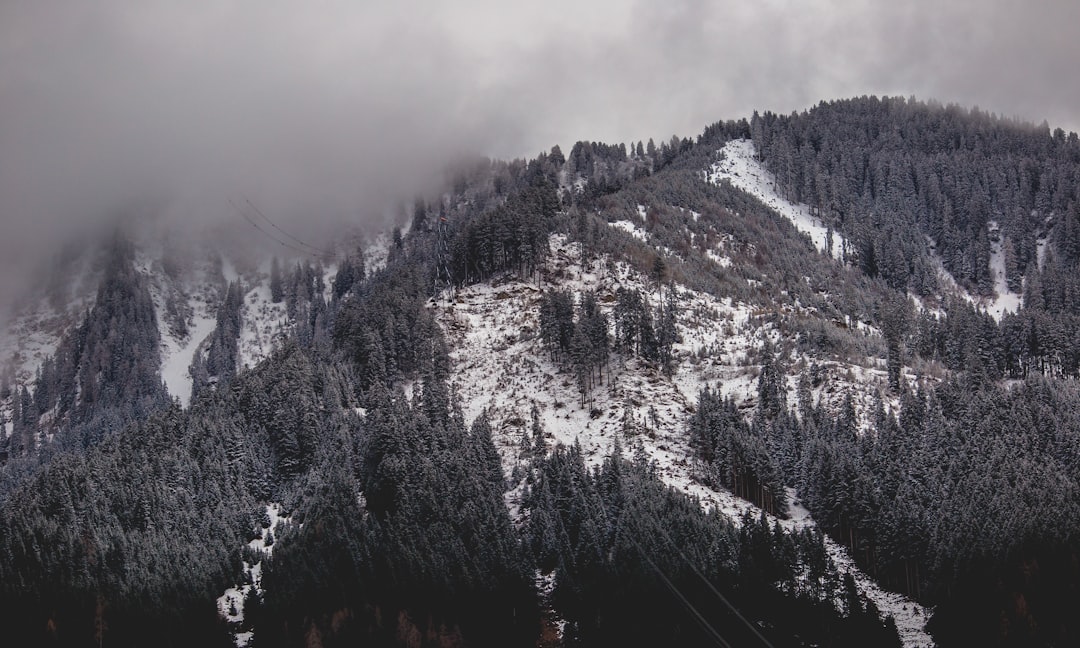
x=499 y=368
x=800 y=381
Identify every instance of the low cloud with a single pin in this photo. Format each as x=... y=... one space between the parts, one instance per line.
x=336 y=109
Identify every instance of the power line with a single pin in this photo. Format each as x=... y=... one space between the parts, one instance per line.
x=271 y=236
x=698 y=616
x=712 y=587
x=286 y=234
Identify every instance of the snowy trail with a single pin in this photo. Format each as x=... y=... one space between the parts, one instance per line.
x=740 y=167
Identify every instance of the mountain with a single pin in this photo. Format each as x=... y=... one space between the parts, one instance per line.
x=804 y=380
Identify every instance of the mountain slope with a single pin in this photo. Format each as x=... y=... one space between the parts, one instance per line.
x=501 y=366
x=794 y=365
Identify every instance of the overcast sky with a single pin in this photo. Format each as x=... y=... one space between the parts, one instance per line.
x=337 y=107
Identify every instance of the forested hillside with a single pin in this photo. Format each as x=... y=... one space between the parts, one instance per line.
x=610 y=397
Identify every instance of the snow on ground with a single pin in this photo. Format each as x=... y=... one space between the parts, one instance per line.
x=910 y=617
x=201 y=294
x=722 y=261
x=1005 y=301
x=739 y=166
x=35 y=325
x=33 y=329
x=1042 y=239
x=29 y=339
x=377 y=252
x=230 y=605
x=499 y=362
x=949 y=285
x=178 y=354
x=551 y=622
x=262 y=324
x=631 y=228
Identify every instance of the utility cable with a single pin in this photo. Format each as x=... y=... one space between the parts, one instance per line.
x=712 y=587
x=270 y=235
x=698 y=616
x=286 y=234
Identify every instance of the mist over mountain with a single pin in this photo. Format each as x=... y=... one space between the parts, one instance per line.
x=415 y=325
x=342 y=110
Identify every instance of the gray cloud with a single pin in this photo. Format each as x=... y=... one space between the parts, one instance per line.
x=338 y=108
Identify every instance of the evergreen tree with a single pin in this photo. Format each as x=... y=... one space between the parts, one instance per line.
x=276 y=288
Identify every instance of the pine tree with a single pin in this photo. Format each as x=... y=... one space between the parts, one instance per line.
x=772 y=392
x=667 y=332
x=539 y=443
x=276 y=289
x=659 y=271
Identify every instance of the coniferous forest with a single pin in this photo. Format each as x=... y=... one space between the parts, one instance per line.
x=937 y=445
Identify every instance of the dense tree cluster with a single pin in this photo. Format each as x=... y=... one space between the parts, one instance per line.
x=137 y=536
x=735 y=454
x=582 y=342
x=385 y=329
x=965 y=500
x=429 y=550
x=890 y=172
x=222 y=352
x=950 y=500
x=639 y=563
x=510 y=237
x=107 y=367
x=582 y=338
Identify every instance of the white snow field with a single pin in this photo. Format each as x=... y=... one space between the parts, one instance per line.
x=739 y=165
x=1004 y=301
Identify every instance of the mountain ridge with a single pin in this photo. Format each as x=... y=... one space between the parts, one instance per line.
x=506 y=347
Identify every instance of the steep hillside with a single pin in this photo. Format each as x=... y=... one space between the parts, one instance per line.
x=805 y=380
x=501 y=366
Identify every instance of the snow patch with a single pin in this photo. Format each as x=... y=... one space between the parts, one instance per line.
x=262 y=325
x=722 y=261
x=201 y=292
x=738 y=165
x=230 y=604
x=630 y=228
x=1005 y=301
x=177 y=355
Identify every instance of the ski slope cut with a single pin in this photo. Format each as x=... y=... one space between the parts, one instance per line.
x=738 y=165
x=1005 y=300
